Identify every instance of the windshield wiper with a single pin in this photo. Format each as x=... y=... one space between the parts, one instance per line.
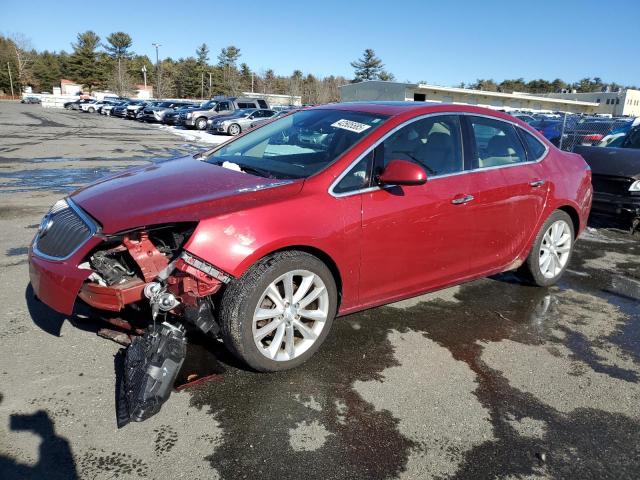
x=258 y=171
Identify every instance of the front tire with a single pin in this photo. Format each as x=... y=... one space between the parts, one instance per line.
x=201 y=123
x=91 y=110
x=551 y=251
x=276 y=315
x=234 y=129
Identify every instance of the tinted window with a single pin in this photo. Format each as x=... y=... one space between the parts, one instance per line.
x=433 y=142
x=497 y=143
x=222 y=106
x=535 y=148
x=358 y=177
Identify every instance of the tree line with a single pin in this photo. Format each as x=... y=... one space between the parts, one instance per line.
x=110 y=63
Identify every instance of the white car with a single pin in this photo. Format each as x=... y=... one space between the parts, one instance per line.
x=89 y=106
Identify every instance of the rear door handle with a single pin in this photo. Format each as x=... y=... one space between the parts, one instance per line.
x=462 y=199
x=537 y=183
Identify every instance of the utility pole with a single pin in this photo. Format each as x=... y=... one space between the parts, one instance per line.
x=202 y=85
x=144 y=75
x=251 y=82
x=210 y=85
x=157 y=45
x=10 y=79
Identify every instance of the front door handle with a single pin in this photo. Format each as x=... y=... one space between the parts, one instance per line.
x=537 y=183
x=462 y=199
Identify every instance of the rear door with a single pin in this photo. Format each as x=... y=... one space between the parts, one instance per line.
x=509 y=191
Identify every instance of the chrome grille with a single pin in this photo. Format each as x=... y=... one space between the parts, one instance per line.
x=62 y=231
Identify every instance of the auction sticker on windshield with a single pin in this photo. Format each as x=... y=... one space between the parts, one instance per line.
x=350 y=125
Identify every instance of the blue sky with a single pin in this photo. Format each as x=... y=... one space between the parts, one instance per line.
x=441 y=42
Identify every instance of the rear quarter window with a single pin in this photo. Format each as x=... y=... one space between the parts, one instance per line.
x=535 y=148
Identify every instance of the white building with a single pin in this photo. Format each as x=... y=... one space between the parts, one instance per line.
x=622 y=103
x=275 y=99
x=381 y=90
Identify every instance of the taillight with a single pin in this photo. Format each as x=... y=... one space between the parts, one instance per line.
x=596 y=137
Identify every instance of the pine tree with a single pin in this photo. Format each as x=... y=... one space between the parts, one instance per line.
x=83 y=62
x=369 y=67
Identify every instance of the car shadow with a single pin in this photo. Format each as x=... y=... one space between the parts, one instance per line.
x=55 y=458
x=51 y=321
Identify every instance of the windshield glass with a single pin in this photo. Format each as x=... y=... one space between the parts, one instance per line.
x=209 y=104
x=298 y=145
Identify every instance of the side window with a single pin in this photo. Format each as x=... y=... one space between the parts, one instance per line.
x=535 y=148
x=497 y=143
x=358 y=177
x=263 y=104
x=433 y=142
x=222 y=106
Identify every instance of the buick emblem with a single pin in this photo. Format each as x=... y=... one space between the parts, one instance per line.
x=45 y=226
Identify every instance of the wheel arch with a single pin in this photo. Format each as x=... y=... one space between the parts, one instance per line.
x=575 y=218
x=321 y=255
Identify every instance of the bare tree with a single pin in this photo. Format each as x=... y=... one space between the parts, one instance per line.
x=24 y=58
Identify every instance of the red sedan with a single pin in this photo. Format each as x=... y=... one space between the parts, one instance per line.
x=324 y=212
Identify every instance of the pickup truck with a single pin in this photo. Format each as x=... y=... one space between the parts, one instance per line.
x=199 y=117
x=616 y=178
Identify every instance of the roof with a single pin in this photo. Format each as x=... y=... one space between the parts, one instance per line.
x=380 y=107
x=417 y=108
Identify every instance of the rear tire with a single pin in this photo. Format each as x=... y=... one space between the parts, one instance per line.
x=297 y=326
x=551 y=251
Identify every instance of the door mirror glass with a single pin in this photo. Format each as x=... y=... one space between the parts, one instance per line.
x=402 y=172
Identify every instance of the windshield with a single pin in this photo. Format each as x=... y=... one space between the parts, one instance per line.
x=208 y=105
x=298 y=145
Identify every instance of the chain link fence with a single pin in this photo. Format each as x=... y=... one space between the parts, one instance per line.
x=576 y=130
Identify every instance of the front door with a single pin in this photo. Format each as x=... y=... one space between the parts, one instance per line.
x=416 y=238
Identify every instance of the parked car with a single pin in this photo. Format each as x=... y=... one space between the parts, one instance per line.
x=108 y=108
x=550 y=128
x=198 y=118
x=121 y=109
x=31 y=100
x=135 y=109
x=524 y=117
x=282 y=234
x=616 y=178
x=238 y=121
x=89 y=106
x=75 y=104
x=173 y=117
x=156 y=112
x=589 y=131
x=279 y=113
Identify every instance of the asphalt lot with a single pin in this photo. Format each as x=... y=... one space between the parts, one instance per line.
x=490 y=379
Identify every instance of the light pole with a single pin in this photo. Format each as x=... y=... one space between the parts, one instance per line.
x=157 y=45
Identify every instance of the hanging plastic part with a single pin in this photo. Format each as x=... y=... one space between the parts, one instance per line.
x=147 y=371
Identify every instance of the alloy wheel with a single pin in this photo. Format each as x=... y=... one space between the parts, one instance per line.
x=555 y=249
x=290 y=315
x=234 y=130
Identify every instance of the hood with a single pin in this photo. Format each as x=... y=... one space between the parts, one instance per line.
x=180 y=190
x=610 y=161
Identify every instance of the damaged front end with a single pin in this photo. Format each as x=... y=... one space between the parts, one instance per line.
x=147 y=272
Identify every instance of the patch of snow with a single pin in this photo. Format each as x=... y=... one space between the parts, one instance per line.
x=231 y=166
x=196 y=135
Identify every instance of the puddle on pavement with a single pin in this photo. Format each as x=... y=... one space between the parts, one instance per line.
x=364 y=442
x=61 y=180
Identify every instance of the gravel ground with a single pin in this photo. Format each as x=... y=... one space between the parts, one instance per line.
x=490 y=379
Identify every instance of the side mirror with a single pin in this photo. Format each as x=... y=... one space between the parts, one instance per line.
x=402 y=172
